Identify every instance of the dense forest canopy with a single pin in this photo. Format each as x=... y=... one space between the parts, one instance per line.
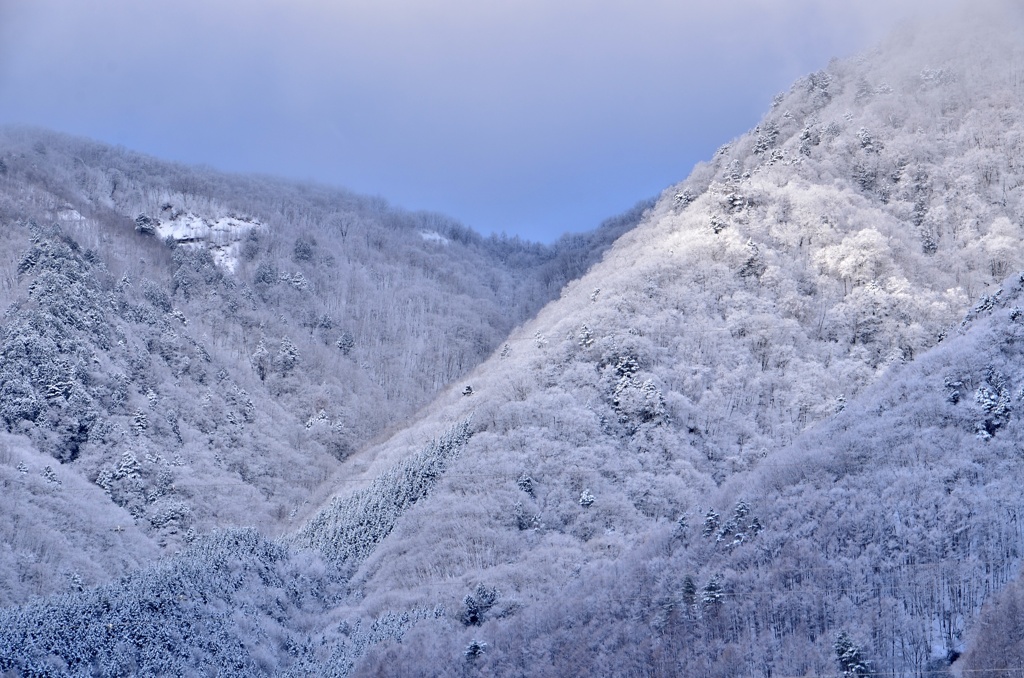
x=770 y=430
x=204 y=350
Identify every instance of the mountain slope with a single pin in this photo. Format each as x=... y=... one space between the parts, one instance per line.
x=771 y=433
x=200 y=350
x=840 y=239
x=891 y=523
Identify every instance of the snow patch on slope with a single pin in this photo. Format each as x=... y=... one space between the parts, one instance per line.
x=221 y=236
x=70 y=214
x=65 y=213
x=434 y=236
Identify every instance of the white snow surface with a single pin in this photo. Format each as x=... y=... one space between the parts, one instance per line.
x=70 y=214
x=221 y=235
x=434 y=236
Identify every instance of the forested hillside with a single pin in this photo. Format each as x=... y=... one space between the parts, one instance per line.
x=184 y=350
x=634 y=441
x=773 y=432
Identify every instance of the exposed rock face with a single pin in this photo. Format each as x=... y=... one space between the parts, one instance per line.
x=222 y=236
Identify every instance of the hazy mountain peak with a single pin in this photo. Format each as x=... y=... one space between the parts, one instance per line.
x=841 y=239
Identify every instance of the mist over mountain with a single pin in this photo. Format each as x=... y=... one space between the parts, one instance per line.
x=773 y=430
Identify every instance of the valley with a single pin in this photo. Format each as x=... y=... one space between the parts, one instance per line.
x=764 y=424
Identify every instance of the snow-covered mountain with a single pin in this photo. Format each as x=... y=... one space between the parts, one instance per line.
x=191 y=351
x=772 y=432
x=832 y=248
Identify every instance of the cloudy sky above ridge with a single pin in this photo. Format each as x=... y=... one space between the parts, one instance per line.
x=532 y=117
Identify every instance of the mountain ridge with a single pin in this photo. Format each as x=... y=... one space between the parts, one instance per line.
x=895 y=237
x=200 y=393
x=774 y=431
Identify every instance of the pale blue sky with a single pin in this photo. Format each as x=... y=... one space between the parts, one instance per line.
x=533 y=117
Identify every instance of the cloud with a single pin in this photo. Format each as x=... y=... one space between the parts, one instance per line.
x=572 y=53
x=427 y=101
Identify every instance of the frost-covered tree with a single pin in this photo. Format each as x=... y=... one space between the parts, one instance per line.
x=476 y=605
x=287 y=357
x=849 y=656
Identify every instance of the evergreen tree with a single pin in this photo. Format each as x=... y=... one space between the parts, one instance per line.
x=848 y=654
